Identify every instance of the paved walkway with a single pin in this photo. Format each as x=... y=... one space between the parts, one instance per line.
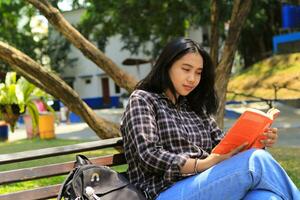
x=288 y=124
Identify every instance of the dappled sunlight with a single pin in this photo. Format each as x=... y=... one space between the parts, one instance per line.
x=282 y=71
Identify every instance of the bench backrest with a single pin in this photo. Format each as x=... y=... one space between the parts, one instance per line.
x=33 y=173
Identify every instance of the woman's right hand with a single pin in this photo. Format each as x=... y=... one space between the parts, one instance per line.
x=214 y=158
x=220 y=157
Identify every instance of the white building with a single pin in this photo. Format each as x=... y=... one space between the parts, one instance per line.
x=91 y=83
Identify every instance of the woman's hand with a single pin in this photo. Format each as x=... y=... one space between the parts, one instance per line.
x=200 y=165
x=214 y=158
x=220 y=157
x=271 y=137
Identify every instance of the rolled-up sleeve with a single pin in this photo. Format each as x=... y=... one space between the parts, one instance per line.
x=142 y=130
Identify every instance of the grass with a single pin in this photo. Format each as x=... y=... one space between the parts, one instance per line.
x=259 y=79
x=287 y=157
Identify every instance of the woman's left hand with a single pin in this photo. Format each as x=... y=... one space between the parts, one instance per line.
x=271 y=137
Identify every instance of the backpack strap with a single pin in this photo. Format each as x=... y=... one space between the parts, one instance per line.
x=81 y=160
x=63 y=186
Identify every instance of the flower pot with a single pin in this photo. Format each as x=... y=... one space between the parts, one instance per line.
x=3 y=131
x=46 y=126
x=30 y=131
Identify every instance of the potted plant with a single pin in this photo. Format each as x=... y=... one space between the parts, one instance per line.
x=16 y=97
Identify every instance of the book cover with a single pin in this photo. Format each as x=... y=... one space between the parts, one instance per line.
x=249 y=127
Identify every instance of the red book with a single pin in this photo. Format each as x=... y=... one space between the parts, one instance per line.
x=249 y=127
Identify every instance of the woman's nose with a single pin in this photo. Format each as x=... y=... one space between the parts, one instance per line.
x=191 y=78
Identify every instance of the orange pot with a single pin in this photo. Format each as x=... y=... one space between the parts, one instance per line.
x=46 y=126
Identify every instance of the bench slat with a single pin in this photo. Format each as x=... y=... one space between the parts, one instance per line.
x=55 y=169
x=39 y=193
x=55 y=151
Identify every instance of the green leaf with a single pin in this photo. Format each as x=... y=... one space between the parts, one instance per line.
x=26 y=89
x=19 y=94
x=2 y=85
x=11 y=94
x=10 y=78
x=3 y=94
x=52 y=111
x=34 y=113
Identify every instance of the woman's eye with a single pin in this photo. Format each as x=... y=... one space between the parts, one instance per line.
x=186 y=69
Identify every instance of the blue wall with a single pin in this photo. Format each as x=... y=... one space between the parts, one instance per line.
x=96 y=103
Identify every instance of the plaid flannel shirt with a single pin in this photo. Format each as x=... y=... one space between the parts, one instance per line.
x=159 y=137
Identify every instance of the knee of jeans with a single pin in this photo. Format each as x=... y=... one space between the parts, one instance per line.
x=261 y=155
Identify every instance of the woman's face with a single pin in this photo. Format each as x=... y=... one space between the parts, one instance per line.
x=185 y=73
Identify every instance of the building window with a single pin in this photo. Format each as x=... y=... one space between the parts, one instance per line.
x=117 y=89
x=87 y=81
x=70 y=81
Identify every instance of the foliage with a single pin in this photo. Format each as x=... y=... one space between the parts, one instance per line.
x=57 y=50
x=16 y=97
x=15 y=17
x=142 y=24
x=22 y=19
x=263 y=22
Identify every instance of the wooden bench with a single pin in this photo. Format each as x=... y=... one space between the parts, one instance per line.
x=52 y=170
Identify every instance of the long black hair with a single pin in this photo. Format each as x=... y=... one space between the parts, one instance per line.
x=203 y=97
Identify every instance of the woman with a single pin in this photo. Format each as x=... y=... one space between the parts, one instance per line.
x=168 y=135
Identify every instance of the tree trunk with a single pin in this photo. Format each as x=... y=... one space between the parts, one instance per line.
x=239 y=13
x=53 y=15
x=52 y=84
x=214 y=39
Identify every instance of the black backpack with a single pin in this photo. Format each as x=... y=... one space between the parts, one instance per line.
x=91 y=182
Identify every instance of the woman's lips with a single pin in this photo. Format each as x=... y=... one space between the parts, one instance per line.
x=188 y=87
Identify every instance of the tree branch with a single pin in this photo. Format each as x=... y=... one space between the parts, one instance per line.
x=52 y=84
x=214 y=38
x=239 y=13
x=53 y=15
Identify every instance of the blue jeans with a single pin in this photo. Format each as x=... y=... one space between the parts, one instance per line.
x=250 y=175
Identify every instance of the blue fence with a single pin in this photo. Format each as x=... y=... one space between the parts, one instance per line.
x=290 y=37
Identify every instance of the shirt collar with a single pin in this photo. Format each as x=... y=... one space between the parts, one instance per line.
x=182 y=99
